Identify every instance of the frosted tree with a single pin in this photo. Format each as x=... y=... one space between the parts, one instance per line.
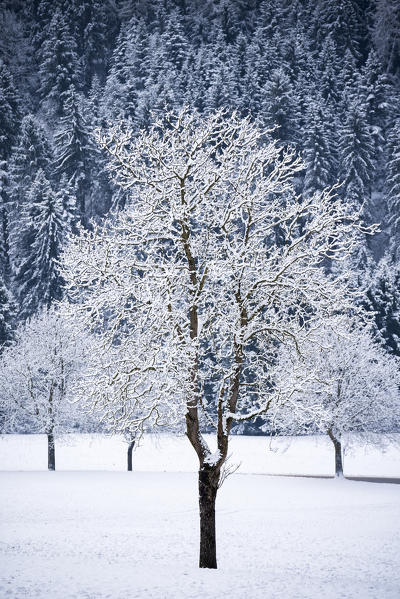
x=32 y=152
x=386 y=33
x=36 y=247
x=187 y=289
x=9 y=121
x=59 y=66
x=36 y=375
x=73 y=149
x=356 y=154
x=7 y=315
x=382 y=299
x=319 y=155
x=393 y=185
x=354 y=386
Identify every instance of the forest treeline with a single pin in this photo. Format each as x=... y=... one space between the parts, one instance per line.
x=322 y=75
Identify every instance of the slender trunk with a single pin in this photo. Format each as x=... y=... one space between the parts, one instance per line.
x=338 y=454
x=208 y=487
x=51 y=452
x=130 y=449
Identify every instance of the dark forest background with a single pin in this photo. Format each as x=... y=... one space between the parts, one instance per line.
x=326 y=73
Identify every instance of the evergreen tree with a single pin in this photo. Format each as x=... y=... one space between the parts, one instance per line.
x=59 y=66
x=37 y=247
x=73 y=148
x=318 y=150
x=386 y=33
x=279 y=106
x=393 y=187
x=356 y=156
x=31 y=152
x=383 y=300
x=7 y=315
x=9 y=123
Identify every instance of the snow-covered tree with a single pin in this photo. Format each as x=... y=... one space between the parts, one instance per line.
x=7 y=315
x=187 y=289
x=36 y=247
x=354 y=385
x=31 y=152
x=59 y=66
x=73 y=149
x=36 y=374
x=382 y=299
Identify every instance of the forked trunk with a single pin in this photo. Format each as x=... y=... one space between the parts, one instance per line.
x=51 y=452
x=338 y=454
x=130 y=449
x=208 y=487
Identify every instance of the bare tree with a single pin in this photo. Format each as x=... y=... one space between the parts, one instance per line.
x=190 y=289
x=36 y=374
x=353 y=385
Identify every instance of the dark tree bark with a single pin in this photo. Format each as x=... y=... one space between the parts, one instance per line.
x=208 y=487
x=338 y=454
x=130 y=449
x=51 y=452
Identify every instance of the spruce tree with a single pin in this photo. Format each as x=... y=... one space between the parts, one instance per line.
x=7 y=315
x=31 y=152
x=392 y=187
x=383 y=300
x=72 y=148
x=318 y=150
x=37 y=248
x=356 y=153
x=9 y=123
x=59 y=66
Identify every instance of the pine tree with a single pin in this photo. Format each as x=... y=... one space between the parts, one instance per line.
x=37 y=247
x=59 y=66
x=73 y=148
x=393 y=187
x=318 y=150
x=31 y=152
x=383 y=300
x=9 y=123
x=356 y=156
x=386 y=33
x=7 y=315
x=279 y=106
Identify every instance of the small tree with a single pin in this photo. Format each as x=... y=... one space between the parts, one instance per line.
x=36 y=373
x=189 y=291
x=353 y=386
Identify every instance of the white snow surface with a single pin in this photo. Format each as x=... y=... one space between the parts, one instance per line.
x=119 y=535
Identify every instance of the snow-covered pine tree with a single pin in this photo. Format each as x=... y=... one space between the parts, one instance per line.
x=392 y=188
x=9 y=123
x=7 y=315
x=59 y=66
x=73 y=148
x=382 y=298
x=37 y=248
x=318 y=149
x=386 y=33
x=356 y=157
x=31 y=152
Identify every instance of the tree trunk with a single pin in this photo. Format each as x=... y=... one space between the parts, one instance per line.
x=51 y=452
x=338 y=454
x=130 y=449
x=208 y=487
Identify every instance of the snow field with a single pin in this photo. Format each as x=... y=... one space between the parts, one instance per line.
x=311 y=456
x=120 y=535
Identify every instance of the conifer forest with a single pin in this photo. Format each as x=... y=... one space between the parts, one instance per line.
x=322 y=76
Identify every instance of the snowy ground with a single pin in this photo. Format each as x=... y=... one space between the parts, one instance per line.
x=120 y=535
x=311 y=456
